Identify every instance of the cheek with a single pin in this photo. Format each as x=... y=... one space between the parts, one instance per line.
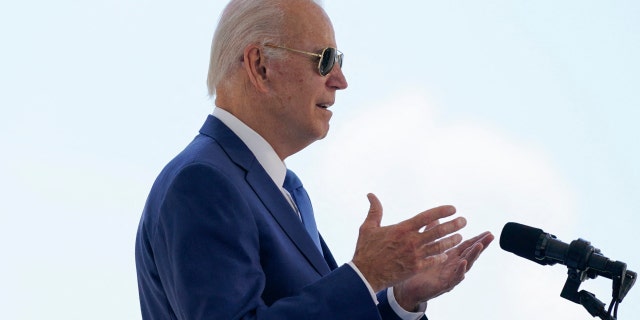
x=296 y=83
x=299 y=90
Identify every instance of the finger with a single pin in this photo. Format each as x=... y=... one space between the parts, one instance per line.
x=484 y=239
x=474 y=252
x=432 y=224
x=442 y=245
x=374 y=216
x=487 y=239
x=443 y=229
x=464 y=247
x=473 y=255
x=433 y=260
x=429 y=216
x=460 y=271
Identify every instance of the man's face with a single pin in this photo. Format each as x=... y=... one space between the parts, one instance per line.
x=302 y=94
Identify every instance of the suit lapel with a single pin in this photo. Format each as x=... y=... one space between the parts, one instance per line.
x=286 y=217
x=269 y=194
x=328 y=257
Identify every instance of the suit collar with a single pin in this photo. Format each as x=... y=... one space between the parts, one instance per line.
x=264 y=187
x=261 y=149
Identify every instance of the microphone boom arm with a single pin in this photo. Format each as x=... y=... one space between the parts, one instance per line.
x=586 y=262
x=581 y=258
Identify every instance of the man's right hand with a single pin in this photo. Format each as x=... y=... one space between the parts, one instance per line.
x=388 y=255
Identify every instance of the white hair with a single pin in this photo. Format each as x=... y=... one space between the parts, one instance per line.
x=243 y=22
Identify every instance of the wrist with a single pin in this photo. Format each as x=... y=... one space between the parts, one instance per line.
x=410 y=305
x=364 y=280
x=364 y=272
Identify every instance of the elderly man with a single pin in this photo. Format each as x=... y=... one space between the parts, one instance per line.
x=228 y=232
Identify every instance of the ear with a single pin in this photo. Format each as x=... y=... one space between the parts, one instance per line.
x=255 y=67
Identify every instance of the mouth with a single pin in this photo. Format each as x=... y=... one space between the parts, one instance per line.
x=324 y=105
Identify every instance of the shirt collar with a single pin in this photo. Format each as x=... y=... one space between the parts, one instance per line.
x=261 y=149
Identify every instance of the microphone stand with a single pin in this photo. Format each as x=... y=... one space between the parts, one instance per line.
x=581 y=268
x=570 y=292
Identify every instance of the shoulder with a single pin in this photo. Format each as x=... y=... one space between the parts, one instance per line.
x=204 y=155
x=201 y=174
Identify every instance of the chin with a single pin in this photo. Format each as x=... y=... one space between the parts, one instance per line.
x=322 y=136
x=324 y=132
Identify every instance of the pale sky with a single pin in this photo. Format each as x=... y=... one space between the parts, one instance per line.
x=514 y=110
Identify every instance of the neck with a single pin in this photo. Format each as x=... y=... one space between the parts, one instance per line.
x=256 y=115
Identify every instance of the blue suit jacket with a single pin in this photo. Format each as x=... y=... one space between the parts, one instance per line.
x=217 y=240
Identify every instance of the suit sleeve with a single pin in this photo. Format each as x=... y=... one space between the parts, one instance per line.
x=207 y=252
x=386 y=311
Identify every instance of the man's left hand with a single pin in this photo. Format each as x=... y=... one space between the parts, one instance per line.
x=443 y=277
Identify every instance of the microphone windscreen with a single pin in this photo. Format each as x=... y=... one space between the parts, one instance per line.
x=521 y=240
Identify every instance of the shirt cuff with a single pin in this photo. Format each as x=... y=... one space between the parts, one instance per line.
x=404 y=314
x=373 y=294
x=400 y=312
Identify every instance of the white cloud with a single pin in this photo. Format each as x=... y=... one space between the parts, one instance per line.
x=401 y=150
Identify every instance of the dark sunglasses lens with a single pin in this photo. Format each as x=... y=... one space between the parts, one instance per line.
x=327 y=61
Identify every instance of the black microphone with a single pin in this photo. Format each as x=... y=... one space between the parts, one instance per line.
x=583 y=260
x=533 y=244
x=543 y=248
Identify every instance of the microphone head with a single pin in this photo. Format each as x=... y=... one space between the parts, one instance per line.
x=521 y=240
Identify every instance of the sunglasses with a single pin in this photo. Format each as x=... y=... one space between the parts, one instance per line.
x=328 y=57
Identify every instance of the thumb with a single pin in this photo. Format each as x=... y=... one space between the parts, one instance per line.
x=374 y=216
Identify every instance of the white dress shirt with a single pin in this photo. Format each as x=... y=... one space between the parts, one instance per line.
x=277 y=170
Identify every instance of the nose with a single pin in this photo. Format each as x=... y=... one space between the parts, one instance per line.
x=337 y=80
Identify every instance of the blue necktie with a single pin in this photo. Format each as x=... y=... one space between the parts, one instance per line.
x=294 y=186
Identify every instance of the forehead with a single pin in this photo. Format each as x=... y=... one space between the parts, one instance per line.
x=307 y=24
